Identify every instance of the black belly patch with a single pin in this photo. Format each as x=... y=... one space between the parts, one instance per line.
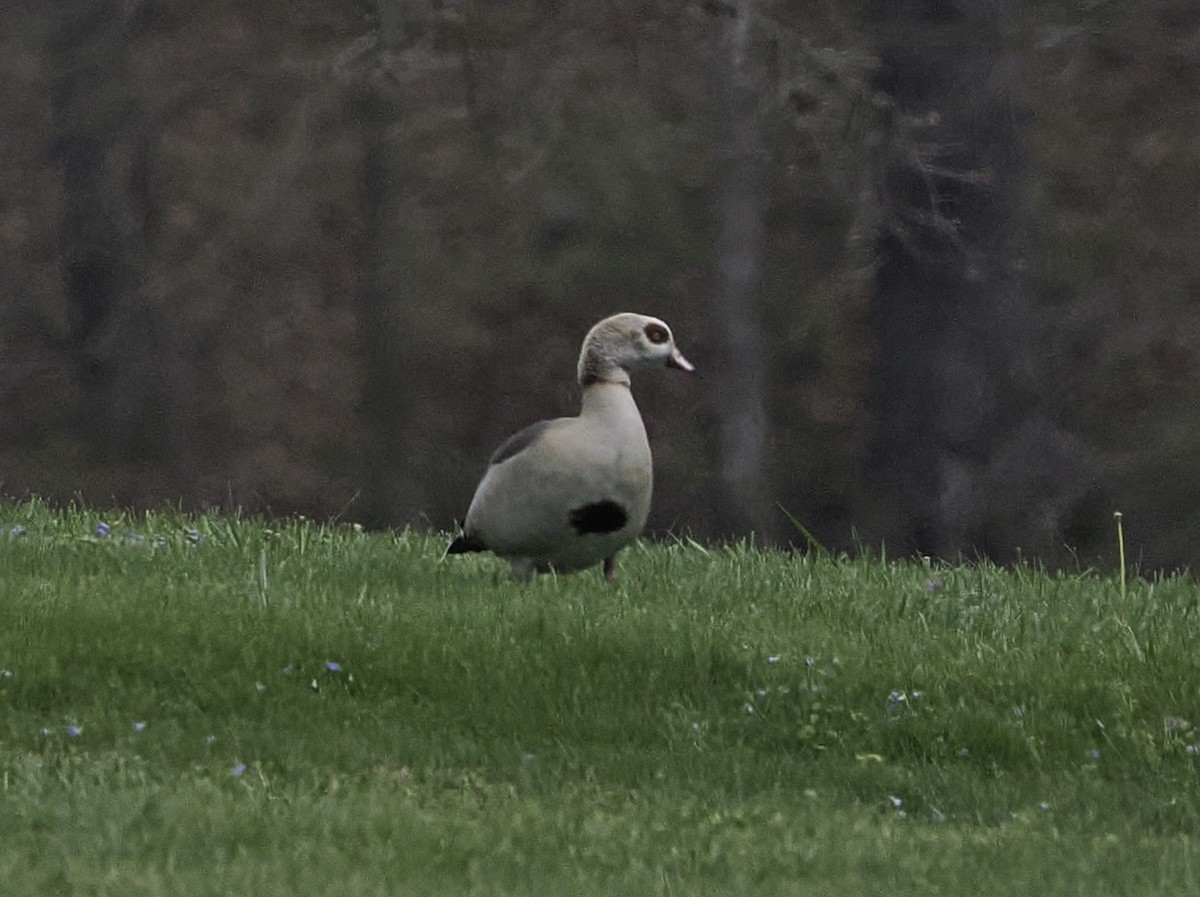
x=599 y=517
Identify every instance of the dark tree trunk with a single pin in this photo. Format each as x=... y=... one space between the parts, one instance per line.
x=948 y=310
x=741 y=420
x=96 y=250
x=390 y=480
x=121 y=342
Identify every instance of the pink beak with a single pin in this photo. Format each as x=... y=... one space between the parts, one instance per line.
x=676 y=360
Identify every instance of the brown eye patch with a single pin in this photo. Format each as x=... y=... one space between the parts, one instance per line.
x=657 y=334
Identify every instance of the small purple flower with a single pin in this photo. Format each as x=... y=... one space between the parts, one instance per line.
x=139 y=726
x=238 y=770
x=333 y=666
x=74 y=731
x=102 y=530
x=964 y=752
x=1094 y=755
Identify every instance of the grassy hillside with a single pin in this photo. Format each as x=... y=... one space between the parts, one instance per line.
x=196 y=706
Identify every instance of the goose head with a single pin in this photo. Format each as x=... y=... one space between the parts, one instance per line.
x=617 y=345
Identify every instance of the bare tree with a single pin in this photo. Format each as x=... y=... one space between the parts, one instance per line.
x=121 y=343
x=389 y=479
x=954 y=386
x=741 y=418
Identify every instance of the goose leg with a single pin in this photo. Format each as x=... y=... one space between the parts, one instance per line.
x=610 y=568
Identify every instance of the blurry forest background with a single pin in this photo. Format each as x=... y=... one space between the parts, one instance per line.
x=937 y=261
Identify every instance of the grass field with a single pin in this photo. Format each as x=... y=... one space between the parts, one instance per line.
x=204 y=706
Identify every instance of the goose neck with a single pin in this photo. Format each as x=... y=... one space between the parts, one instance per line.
x=603 y=395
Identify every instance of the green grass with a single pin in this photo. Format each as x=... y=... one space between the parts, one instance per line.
x=196 y=706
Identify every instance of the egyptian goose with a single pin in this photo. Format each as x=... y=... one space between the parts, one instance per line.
x=568 y=493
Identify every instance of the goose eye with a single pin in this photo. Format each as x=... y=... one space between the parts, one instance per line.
x=657 y=334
